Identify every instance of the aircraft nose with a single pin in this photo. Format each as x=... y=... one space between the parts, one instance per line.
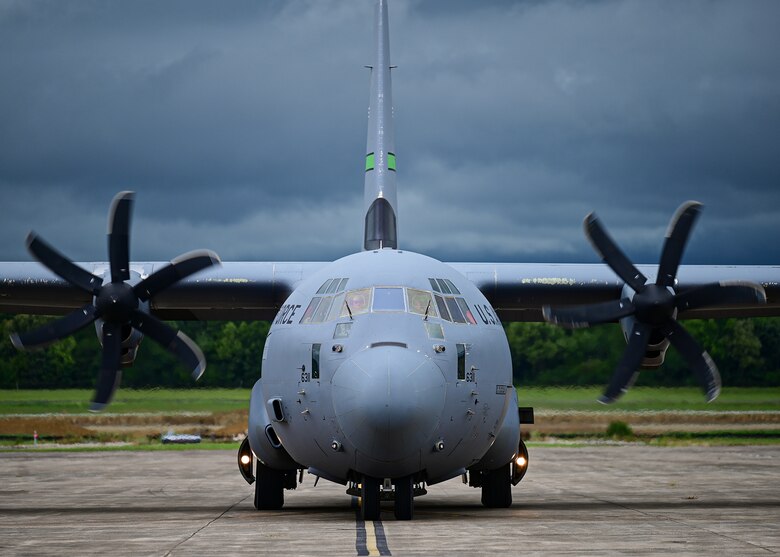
x=388 y=401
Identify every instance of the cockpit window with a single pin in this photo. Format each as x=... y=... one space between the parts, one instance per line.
x=310 y=310
x=333 y=286
x=388 y=299
x=464 y=307
x=342 y=330
x=453 y=288
x=444 y=288
x=420 y=302
x=336 y=308
x=443 y=311
x=324 y=286
x=457 y=314
x=435 y=330
x=358 y=301
x=322 y=310
x=332 y=302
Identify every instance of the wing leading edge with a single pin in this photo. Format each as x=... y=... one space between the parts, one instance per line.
x=519 y=291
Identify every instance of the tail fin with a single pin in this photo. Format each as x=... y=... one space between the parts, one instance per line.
x=380 y=191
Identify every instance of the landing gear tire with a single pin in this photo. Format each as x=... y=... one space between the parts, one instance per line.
x=404 y=498
x=497 y=487
x=369 y=494
x=269 y=488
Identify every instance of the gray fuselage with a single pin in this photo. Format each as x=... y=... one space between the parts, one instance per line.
x=387 y=373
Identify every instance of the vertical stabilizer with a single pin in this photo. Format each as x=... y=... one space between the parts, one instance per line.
x=380 y=191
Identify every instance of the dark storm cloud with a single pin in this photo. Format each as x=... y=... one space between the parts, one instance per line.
x=242 y=125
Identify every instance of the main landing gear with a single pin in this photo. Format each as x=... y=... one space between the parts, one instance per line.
x=497 y=484
x=270 y=485
x=497 y=487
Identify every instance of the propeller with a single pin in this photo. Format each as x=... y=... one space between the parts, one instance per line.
x=118 y=303
x=654 y=306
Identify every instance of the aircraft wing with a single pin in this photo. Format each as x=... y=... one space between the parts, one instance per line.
x=256 y=290
x=518 y=291
x=234 y=290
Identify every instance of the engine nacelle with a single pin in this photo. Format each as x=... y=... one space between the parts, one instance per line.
x=656 y=347
x=131 y=339
x=658 y=344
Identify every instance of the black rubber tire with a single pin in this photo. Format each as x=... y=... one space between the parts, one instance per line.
x=497 y=487
x=404 y=498
x=269 y=488
x=369 y=493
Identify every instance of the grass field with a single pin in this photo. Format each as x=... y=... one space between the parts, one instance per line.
x=650 y=399
x=76 y=401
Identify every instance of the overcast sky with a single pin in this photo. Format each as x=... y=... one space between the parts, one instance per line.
x=242 y=126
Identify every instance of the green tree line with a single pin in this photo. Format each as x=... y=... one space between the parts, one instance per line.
x=747 y=352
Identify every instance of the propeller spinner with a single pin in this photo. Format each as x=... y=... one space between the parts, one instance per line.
x=654 y=306
x=117 y=303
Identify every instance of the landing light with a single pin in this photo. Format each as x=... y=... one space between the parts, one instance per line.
x=245 y=458
x=520 y=463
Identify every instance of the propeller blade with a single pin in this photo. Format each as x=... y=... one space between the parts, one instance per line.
x=701 y=363
x=676 y=237
x=179 y=268
x=62 y=266
x=110 y=368
x=722 y=293
x=583 y=316
x=612 y=255
x=119 y=235
x=56 y=330
x=628 y=366
x=174 y=341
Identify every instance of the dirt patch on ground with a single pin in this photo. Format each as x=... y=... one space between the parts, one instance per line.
x=550 y=423
x=229 y=425
x=46 y=426
x=220 y=425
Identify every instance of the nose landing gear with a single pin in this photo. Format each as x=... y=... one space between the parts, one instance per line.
x=404 y=498
x=372 y=491
x=369 y=494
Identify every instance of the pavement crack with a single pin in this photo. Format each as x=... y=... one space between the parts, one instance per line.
x=209 y=523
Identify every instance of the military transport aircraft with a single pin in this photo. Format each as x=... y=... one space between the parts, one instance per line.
x=386 y=371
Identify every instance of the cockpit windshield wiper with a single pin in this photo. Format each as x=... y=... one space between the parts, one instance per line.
x=427 y=309
x=346 y=303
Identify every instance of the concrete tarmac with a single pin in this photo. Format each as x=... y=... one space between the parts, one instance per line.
x=597 y=500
